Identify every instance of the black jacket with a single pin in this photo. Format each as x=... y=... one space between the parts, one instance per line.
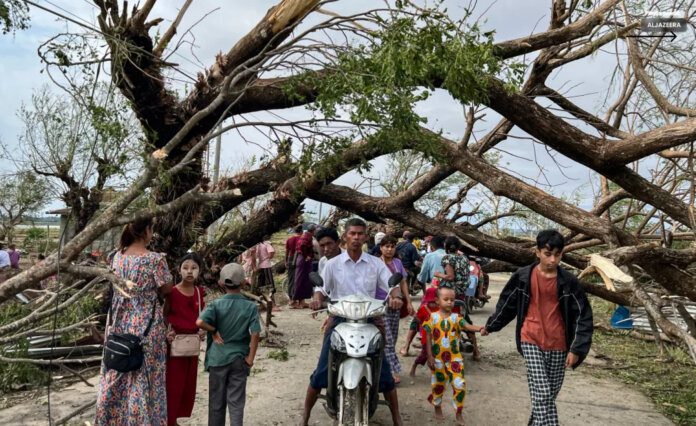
x=575 y=309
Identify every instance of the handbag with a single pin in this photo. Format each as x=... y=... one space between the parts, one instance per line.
x=123 y=352
x=187 y=344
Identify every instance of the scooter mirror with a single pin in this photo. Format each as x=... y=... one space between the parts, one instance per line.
x=316 y=279
x=395 y=279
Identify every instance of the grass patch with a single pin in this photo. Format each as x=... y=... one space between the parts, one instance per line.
x=671 y=385
x=279 y=354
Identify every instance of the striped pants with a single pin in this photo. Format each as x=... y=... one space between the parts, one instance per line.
x=545 y=373
x=392 y=333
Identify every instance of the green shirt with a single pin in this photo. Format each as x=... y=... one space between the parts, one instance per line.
x=236 y=318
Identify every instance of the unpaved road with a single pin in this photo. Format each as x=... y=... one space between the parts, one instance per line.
x=497 y=388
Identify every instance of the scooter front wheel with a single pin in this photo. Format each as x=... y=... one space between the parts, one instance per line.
x=351 y=410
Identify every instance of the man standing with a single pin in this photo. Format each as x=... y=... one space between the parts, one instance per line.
x=353 y=272
x=408 y=253
x=14 y=257
x=554 y=323
x=290 y=259
x=329 y=243
x=432 y=262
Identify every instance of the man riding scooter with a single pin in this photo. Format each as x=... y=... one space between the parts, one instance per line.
x=349 y=273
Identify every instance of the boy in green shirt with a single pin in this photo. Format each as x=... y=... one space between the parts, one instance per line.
x=232 y=323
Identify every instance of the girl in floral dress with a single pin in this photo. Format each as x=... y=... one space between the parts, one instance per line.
x=443 y=330
x=137 y=397
x=456 y=276
x=185 y=303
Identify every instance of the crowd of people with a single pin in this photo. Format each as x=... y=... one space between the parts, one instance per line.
x=554 y=320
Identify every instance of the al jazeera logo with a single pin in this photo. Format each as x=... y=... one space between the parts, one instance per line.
x=664 y=22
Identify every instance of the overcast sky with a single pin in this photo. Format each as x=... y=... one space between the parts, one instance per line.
x=228 y=21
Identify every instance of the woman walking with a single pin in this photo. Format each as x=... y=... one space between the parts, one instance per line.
x=304 y=252
x=137 y=397
x=388 y=250
x=182 y=309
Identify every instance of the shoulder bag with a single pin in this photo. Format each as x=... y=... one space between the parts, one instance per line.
x=123 y=352
x=187 y=344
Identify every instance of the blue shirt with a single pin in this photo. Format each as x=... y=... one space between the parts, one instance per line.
x=408 y=253
x=431 y=264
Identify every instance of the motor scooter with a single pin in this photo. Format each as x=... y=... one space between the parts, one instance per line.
x=355 y=356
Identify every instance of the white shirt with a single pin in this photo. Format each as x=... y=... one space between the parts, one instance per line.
x=343 y=277
x=4 y=259
x=323 y=260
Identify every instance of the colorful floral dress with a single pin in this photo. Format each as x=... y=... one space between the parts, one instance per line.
x=444 y=333
x=460 y=264
x=137 y=397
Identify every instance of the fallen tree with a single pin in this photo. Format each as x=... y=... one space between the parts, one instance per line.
x=361 y=96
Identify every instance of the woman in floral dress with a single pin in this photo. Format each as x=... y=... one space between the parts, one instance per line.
x=137 y=397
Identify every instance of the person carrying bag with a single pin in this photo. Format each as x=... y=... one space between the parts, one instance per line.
x=187 y=344
x=184 y=306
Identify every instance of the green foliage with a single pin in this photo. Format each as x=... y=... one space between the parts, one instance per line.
x=378 y=83
x=14 y=14
x=16 y=375
x=13 y=375
x=35 y=240
x=20 y=195
x=671 y=385
x=279 y=354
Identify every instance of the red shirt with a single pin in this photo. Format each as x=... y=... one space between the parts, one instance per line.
x=183 y=310
x=422 y=316
x=543 y=326
x=290 y=246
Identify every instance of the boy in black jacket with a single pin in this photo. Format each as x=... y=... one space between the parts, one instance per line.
x=554 y=323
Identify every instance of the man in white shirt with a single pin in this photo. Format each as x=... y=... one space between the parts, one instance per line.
x=353 y=272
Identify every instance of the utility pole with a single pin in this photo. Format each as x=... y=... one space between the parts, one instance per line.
x=371 y=179
x=216 y=175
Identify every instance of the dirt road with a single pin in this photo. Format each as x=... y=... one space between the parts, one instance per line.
x=497 y=388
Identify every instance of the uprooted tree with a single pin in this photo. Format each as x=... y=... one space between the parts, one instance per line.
x=359 y=76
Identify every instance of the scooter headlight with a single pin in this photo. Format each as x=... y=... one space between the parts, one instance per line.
x=375 y=344
x=337 y=342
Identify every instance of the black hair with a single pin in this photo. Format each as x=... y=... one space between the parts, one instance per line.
x=387 y=240
x=444 y=286
x=437 y=242
x=192 y=256
x=41 y=256
x=327 y=232
x=452 y=244
x=550 y=238
x=133 y=232
x=355 y=221
x=298 y=229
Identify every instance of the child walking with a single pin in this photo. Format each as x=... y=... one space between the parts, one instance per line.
x=427 y=307
x=443 y=330
x=232 y=323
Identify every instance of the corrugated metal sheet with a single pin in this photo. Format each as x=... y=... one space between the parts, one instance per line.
x=640 y=316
